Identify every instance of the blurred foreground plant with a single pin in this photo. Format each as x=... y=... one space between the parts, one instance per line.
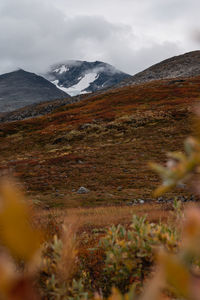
x=58 y=264
x=129 y=257
x=26 y=260
x=20 y=243
x=180 y=166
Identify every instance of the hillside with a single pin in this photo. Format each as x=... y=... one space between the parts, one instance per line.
x=36 y=109
x=186 y=65
x=79 y=77
x=103 y=143
x=21 y=88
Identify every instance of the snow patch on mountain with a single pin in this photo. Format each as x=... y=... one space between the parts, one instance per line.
x=78 y=88
x=62 y=88
x=81 y=77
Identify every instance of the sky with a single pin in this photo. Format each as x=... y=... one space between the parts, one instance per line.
x=129 y=34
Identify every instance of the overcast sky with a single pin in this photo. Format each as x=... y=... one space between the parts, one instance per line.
x=130 y=34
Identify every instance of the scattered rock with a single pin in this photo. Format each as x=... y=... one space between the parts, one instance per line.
x=83 y=190
x=80 y=162
x=192 y=198
x=141 y=201
x=119 y=188
x=85 y=126
x=58 y=140
x=176 y=81
x=130 y=203
x=182 y=199
x=182 y=185
x=160 y=199
x=110 y=195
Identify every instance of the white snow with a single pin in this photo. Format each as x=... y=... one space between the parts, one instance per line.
x=85 y=82
x=80 y=86
x=60 y=87
x=62 y=69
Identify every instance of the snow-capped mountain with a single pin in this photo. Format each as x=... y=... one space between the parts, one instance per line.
x=80 y=77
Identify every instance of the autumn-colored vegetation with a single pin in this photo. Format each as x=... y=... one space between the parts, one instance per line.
x=103 y=143
x=79 y=262
x=144 y=251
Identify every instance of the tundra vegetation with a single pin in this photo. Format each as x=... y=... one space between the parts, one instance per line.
x=103 y=143
x=82 y=257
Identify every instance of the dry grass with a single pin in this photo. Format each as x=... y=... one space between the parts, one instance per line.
x=101 y=217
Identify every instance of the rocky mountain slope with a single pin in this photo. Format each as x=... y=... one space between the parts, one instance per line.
x=21 y=88
x=36 y=109
x=80 y=77
x=186 y=65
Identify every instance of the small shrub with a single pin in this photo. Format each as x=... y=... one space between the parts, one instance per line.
x=124 y=256
x=74 y=135
x=130 y=253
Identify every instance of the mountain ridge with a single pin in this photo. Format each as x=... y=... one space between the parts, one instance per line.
x=185 y=65
x=20 y=88
x=175 y=68
x=79 y=77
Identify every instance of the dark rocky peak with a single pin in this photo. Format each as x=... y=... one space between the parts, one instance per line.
x=80 y=77
x=21 y=88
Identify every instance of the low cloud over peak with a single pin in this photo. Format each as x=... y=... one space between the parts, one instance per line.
x=36 y=34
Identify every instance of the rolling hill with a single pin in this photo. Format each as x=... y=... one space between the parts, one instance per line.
x=185 y=65
x=103 y=143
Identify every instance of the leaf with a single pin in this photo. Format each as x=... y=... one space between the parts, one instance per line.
x=162 y=190
x=116 y=295
x=176 y=274
x=159 y=169
x=177 y=156
x=23 y=289
x=7 y=274
x=16 y=232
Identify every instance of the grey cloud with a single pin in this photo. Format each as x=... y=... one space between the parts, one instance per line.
x=33 y=41
x=35 y=34
x=138 y=60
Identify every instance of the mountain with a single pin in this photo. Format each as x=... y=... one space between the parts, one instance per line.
x=79 y=77
x=21 y=88
x=185 y=65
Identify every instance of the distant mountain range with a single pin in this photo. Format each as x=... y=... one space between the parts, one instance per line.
x=185 y=65
x=80 y=77
x=21 y=88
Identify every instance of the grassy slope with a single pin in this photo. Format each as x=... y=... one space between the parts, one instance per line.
x=55 y=154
